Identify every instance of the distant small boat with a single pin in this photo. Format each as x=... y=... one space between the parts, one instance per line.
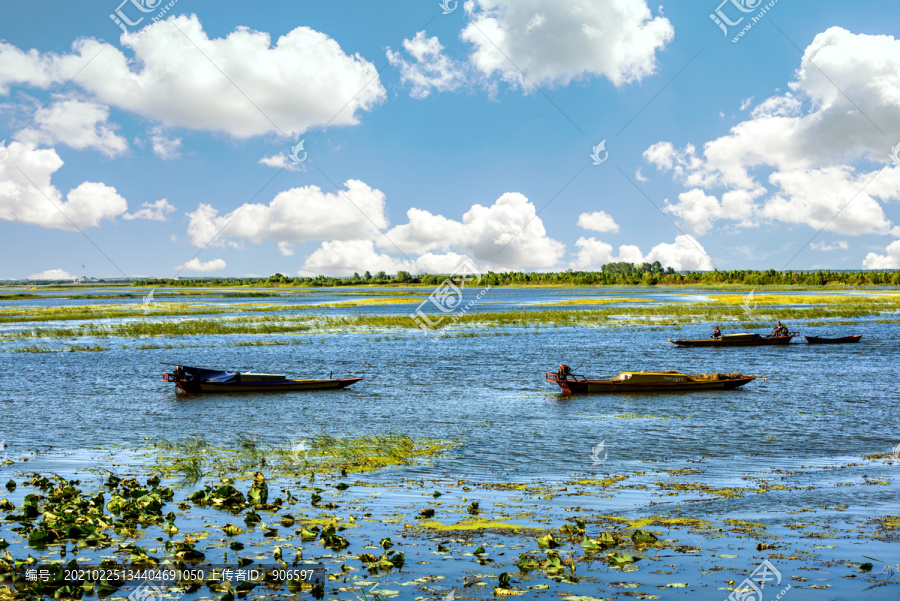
x=646 y=381
x=738 y=340
x=842 y=340
x=198 y=379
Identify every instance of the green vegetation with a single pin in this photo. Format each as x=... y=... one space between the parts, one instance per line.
x=194 y=457
x=170 y=309
x=612 y=274
x=43 y=348
x=723 y=309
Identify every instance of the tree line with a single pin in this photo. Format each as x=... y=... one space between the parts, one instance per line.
x=611 y=274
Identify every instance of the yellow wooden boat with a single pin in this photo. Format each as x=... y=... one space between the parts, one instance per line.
x=646 y=381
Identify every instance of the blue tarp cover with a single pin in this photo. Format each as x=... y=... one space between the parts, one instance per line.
x=198 y=374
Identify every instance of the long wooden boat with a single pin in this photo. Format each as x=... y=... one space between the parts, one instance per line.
x=198 y=379
x=738 y=340
x=647 y=381
x=842 y=340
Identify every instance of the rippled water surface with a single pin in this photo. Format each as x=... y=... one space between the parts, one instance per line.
x=817 y=407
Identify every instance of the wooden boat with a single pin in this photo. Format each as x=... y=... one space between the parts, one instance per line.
x=738 y=340
x=646 y=381
x=197 y=379
x=842 y=340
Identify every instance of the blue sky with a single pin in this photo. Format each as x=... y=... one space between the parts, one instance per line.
x=430 y=138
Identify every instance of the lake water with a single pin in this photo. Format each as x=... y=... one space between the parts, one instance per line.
x=806 y=426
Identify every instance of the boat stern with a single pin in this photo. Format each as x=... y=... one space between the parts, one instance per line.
x=563 y=383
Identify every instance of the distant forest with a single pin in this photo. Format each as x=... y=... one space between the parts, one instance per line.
x=611 y=274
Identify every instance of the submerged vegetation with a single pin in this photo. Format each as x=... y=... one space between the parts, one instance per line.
x=194 y=457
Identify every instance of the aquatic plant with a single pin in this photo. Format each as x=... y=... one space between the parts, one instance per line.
x=194 y=455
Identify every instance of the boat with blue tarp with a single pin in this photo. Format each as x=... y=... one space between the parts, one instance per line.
x=198 y=379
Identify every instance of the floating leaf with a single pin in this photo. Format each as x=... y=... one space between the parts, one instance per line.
x=526 y=562
x=473 y=508
x=426 y=513
x=642 y=537
x=621 y=559
x=505 y=592
x=294 y=585
x=386 y=543
x=572 y=529
x=590 y=545
x=232 y=530
x=398 y=559
x=259 y=490
x=547 y=542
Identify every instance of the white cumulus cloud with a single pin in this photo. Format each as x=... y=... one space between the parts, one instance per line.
x=52 y=274
x=431 y=70
x=280 y=161
x=685 y=254
x=154 y=211
x=505 y=235
x=75 y=123
x=302 y=80
x=165 y=147
x=598 y=221
x=839 y=245
x=296 y=215
x=803 y=155
x=344 y=257
x=196 y=264
x=28 y=196
x=557 y=42
x=889 y=260
x=697 y=211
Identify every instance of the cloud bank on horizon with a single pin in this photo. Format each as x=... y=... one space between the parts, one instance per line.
x=810 y=158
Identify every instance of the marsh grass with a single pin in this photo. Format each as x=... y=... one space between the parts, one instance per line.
x=35 y=348
x=727 y=309
x=148 y=347
x=173 y=309
x=159 y=309
x=194 y=457
x=270 y=342
x=44 y=348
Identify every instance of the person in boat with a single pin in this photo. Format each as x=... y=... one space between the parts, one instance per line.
x=563 y=372
x=716 y=334
x=780 y=330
